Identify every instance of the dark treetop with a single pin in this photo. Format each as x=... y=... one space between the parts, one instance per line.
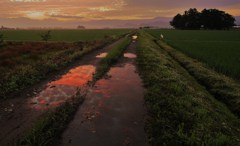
x=207 y=19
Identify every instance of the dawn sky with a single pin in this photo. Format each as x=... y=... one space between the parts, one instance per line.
x=92 y=10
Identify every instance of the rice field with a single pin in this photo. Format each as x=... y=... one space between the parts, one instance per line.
x=218 y=49
x=61 y=35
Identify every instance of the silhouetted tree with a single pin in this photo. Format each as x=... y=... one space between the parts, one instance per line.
x=192 y=19
x=1 y=40
x=216 y=19
x=47 y=36
x=208 y=19
x=177 y=22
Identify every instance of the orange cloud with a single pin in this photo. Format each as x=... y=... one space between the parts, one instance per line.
x=28 y=1
x=44 y=9
x=86 y=10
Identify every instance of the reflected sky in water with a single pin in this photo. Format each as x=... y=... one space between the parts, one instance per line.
x=102 y=55
x=130 y=55
x=66 y=87
x=112 y=109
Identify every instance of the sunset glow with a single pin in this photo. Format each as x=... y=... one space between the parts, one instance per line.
x=78 y=11
x=34 y=14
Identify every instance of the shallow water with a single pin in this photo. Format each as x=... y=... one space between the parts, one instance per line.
x=113 y=112
x=102 y=55
x=130 y=55
x=18 y=114
x=66 y=87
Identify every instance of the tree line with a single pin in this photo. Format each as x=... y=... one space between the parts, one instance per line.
x=206 y=19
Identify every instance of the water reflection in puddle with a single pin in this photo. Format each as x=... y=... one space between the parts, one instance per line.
x=59 y=91
x=130 y=55
x=102 y=55
x=113 y=105
x=134 y=37
x=123 y=82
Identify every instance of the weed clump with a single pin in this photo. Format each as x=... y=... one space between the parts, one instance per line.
x=47 y=36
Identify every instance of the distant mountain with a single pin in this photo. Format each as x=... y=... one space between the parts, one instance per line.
x=156 y=22
x=162 y=22
x=237 y=20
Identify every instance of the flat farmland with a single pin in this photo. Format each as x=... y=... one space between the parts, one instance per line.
x=218 y=49
x=61 y=35
x=27 y=59
x=166 y=91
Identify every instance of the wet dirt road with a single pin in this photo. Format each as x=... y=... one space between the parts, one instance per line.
x=18 y=114
x=113 y=112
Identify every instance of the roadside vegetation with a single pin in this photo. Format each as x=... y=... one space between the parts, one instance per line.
x=222 y=87
x=1 y=40
x=218 y=49
x=66 y=35
x=225 y=89
x=113 y=55
x=47 y=130
x=24 y=64
x=181 y=111
x=46 y=36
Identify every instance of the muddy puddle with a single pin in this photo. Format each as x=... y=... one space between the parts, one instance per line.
x=18 y=115
x=130 y=55
x=59 y=91
x=113 y=112
x=102 y=55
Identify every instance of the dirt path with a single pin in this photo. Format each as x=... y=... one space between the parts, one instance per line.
x=113 y=112
x=18 y=114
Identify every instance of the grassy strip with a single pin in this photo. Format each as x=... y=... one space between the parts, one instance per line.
x=181 y=111
x=47 y=131
x=29 y=65
x=209 y=46
x=113 y=55
x=70 y=35
x=222 y=87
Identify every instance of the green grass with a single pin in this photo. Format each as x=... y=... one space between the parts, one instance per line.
x=24 y=64
x=181 y=112
x=62 y=35
x=48 y=130
x=218 y=49
x=222 y=87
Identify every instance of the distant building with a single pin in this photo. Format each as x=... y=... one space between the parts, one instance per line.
x=147 y=27
x=81 y=27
